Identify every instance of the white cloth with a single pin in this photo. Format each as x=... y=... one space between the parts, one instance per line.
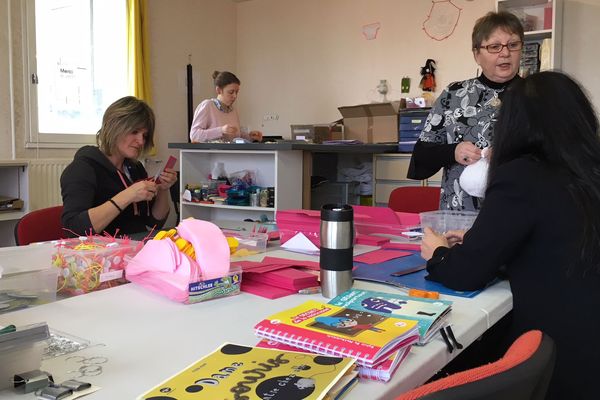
x=473 y=179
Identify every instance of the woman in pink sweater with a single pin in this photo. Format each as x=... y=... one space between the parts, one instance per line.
x=216 y=118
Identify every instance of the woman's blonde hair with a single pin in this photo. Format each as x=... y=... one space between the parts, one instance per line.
x=123 y=117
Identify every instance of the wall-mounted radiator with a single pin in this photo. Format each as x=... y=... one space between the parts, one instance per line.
x=44 y=182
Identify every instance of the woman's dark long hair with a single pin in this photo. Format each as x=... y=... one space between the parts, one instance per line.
x=548 y=116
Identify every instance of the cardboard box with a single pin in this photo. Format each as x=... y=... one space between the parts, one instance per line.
x=371 y=123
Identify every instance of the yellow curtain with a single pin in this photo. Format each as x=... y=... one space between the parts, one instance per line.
x=138 y=58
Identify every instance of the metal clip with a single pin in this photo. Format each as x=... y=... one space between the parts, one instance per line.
x=76 y=385
x=54 y=393
x=30 y=381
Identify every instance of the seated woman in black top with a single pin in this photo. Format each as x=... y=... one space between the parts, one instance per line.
x=105 y=188
x=541 y=220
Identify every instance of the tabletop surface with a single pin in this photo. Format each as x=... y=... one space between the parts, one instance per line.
x=291 y=145
x=147 y=338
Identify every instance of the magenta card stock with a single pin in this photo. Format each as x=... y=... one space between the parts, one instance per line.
x=379 y=256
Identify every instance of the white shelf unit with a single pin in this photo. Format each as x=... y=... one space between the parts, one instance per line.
x=281 y=169
x=550 y=30
x=390 y=171
x=14 y=183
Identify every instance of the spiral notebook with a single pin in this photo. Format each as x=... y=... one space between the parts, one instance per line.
x=341 y=332
x=382 y=372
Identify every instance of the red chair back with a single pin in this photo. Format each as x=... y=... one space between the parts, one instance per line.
x=523 y=373
x=40 y=226
x=415 y=199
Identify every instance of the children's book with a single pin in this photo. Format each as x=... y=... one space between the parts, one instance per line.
x=382 y=372
x=327 y=329
x=235 y=372
x=430 y=314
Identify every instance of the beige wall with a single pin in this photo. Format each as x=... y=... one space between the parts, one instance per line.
x=297 y=59
x=5 y=113
x=201 y=30
x=303 y=59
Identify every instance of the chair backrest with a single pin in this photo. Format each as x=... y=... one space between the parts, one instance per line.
x=415 y=199
x=522 y=374
x=39 y=226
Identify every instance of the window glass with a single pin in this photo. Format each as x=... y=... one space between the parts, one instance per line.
x=81 y=64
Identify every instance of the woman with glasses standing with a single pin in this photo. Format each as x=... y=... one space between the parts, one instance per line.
x=461 y=122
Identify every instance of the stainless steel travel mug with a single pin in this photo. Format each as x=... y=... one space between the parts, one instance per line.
x=337 y=241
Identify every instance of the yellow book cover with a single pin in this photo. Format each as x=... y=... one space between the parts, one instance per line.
x=342 y=332
x=235 y=372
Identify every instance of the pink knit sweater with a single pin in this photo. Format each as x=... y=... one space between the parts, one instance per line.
x=208 y=120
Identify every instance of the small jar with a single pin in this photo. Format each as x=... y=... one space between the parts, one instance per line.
x=254 y=199
x=264 y=197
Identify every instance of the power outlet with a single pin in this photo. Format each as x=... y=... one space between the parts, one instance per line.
x=270 y=117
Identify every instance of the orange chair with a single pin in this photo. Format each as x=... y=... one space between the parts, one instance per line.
x=40 y=226
x=415 y=199
x=522 y=374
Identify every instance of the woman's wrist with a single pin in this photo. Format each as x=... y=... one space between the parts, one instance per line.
x=114 y=203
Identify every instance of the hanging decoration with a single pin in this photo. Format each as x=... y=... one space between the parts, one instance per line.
x=428 y=76
x=442 y=19
x=370 y=31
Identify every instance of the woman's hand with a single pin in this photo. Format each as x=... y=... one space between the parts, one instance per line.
x=431 y=240
x=141 y=191
x=229 y=130
x=454 y=237
x=167 y=178
x=466 y=153
x=255 y=136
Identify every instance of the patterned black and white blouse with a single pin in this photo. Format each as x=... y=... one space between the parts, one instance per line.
x=464 y=111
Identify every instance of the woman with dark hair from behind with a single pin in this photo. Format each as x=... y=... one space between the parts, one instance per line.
x=541 y=220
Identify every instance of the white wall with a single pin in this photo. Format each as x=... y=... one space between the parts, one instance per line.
x=580 y=49
x=303 y=59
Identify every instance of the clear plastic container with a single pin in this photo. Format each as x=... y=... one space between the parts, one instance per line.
x=447 y=220
x=248 y=243
x=26 y=289
x=92 y=263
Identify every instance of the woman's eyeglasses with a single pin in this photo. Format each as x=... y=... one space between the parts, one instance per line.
x=498 y=47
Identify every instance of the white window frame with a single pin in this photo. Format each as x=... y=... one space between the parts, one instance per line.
x=33 y=138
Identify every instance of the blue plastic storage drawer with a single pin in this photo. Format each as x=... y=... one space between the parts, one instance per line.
x=409 y=134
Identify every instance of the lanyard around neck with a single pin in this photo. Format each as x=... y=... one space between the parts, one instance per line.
x=136 y=210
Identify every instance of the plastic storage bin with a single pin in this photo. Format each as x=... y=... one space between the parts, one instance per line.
x=248 y=243
x=92 y=263
x=446 y=220
x=25 y=289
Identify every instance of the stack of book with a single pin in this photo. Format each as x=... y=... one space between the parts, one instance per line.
x=430 y=314
x=378 y=343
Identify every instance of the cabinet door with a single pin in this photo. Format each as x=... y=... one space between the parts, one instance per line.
x=392 y=167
